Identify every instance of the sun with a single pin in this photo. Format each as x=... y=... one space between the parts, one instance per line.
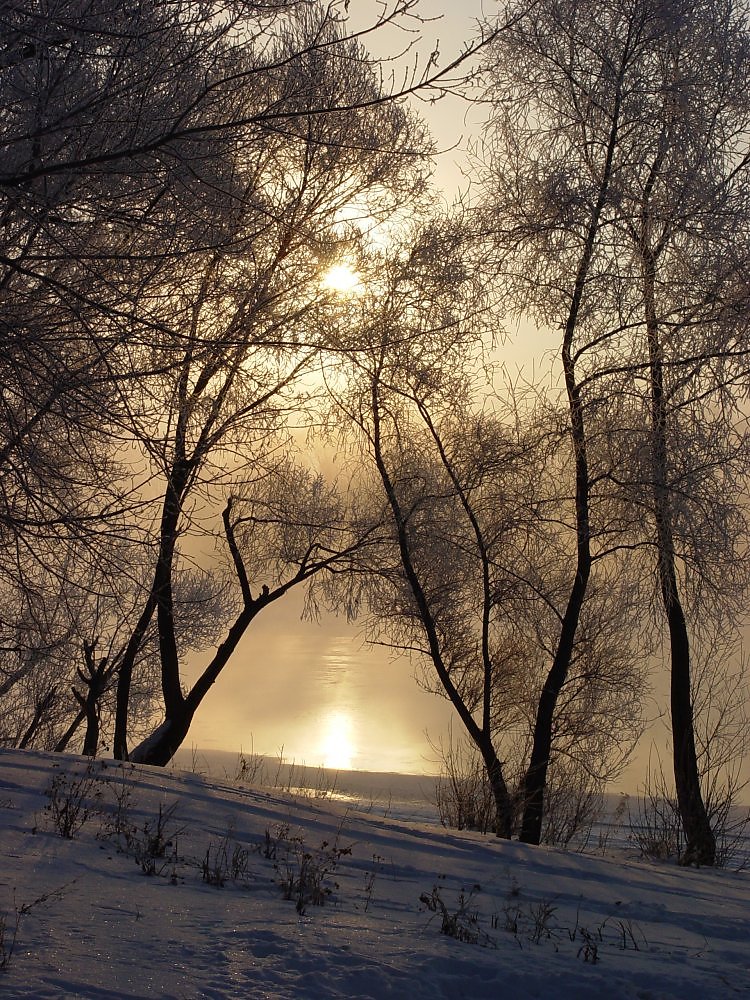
x=343 y=279
x=337 y=745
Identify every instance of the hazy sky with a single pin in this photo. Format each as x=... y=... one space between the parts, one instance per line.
x=316 y=688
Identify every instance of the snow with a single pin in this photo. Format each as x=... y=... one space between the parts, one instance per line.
x=536 y=917
x=141 y=751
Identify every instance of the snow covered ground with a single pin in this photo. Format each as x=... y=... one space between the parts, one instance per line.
x=263 y=894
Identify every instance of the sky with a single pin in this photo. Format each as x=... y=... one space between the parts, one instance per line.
x=317 y=692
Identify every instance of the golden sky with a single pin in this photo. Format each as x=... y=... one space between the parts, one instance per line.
x=317 y=689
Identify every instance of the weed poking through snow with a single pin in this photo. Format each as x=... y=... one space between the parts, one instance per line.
x=9 y=928
x=461 y=922
x=73 y=800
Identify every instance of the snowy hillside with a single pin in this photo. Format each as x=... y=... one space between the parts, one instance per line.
x=177 y=886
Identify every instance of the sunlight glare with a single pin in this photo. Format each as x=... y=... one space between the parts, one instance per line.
x=343 y=279
x=337 y=745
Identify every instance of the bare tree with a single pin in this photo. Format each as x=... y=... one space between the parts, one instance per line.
x=154 y=158
x=408 y=334
x=64 y=631
x=697 y=97
x=167 y=168
x=247 y=320
x=550 y=267
x=473 y=581
x=620 y=145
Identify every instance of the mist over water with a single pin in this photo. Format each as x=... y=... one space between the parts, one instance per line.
x=317 y=694
x=323 y=697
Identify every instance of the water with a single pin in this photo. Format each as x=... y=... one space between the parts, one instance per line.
x=324 y=697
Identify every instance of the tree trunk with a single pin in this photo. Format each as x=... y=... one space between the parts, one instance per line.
x=161 y=746
x=159 y=600
x=503 y=808
x=95 y=678
x=124 y=678
x=40 y=709
x=69 y=733
x=535 y=779
x=701 y=843
x=481 y=736
x=91 y=739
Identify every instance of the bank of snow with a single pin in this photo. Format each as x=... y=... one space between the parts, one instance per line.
x=366 y=921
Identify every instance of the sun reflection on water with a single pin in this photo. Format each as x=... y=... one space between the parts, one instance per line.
x=337 y=746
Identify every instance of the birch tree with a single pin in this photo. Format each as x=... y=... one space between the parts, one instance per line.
x=551 y=266
x=680 y=212
x=619 y=173
x=409 y=335
x=471 y=582
x=245 y=323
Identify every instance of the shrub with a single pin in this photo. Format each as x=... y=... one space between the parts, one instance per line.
x=221 y=863
x=573 y=803
x=305 y=875
x=73 y=800
x=656 y=827
x=150 y=843
x=461 y=922
x=463 y=796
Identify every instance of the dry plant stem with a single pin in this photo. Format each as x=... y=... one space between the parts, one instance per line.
x=9 y=934
x=73 y=801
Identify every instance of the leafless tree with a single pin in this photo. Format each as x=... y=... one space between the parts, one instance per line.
x=473 y=580
x=528 y=214
x=175 y=180
x=246 y=322
x=63 y=638
x=618 y=165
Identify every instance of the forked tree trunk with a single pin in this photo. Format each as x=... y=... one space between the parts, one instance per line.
x=95 y=678
x=41 y=708
x=535 y=779
x=125 y=675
